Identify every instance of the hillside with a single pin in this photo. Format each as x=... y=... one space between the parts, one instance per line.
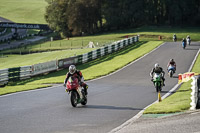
x=23 y=11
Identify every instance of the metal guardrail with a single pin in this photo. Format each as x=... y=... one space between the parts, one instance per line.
x=195 y=94
x=19 y=73
x=14 y=74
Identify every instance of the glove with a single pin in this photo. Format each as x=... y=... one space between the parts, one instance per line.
x=64 y=85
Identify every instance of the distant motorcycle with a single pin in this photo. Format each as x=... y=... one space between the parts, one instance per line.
x=77 y=93
x=158 y=82
x=171 y=71
x=188 y=41
x=183 y=45
x=174 y=39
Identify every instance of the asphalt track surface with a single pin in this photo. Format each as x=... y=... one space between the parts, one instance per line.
x=112 y=100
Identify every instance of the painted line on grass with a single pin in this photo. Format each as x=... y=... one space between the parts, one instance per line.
x=133 y=119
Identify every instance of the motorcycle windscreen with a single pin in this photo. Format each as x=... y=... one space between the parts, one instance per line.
x=72 y=83
x=157 y=77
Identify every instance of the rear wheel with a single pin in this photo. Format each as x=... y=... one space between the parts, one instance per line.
x=170 y=73
x=74 y=98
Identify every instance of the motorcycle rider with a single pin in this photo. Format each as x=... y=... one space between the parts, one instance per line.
x=188 y=38
x=184 y=40
x=77 y=73
x=174 y=37
x=158 y=69
x=172 y=63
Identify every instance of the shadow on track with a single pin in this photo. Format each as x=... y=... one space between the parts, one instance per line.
x=176 y=91
x=191 y=48
x=109 y=107
x=163 y=92
x=194 y=44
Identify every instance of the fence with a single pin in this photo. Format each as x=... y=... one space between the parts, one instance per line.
x=19 y=73
x=15 y=74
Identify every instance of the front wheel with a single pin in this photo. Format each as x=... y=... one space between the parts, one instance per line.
x=74 y=98
x=158 y=86
x=84 y=102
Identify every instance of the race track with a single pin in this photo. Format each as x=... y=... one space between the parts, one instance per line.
x=112 y=100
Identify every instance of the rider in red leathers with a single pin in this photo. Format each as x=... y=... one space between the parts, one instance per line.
x=78 y=74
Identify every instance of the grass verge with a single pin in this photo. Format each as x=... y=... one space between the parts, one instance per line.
x=90 y=70
x=179 y=101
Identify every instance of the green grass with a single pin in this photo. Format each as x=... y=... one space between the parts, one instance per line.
x=179 y=101
x=90 y=70
x=10 y=61
x=23 y=11
x=72 y=43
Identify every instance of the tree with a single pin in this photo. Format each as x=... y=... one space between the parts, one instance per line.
x=56 y=16
x=74 y=17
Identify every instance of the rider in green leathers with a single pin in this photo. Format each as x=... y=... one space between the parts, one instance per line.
x=157 y=69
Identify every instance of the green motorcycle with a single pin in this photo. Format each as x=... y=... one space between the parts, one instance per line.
x=158 y=82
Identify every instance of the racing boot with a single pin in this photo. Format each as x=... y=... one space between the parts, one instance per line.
x=85 y=89
x=163 y=81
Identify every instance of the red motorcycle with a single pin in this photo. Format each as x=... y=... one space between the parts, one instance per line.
x=77 y=94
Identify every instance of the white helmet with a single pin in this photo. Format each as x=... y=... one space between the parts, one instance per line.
x=72 y=69
x=156 y=65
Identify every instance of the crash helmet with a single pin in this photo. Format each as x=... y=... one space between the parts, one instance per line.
x=72 y=69
x=156 y=65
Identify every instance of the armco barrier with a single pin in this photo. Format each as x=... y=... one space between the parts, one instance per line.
x=18 y=73
x=25 y=72
x=195 y=94
x=14 y=74
x=44 y=67
x=4 y=76
x=64 y=63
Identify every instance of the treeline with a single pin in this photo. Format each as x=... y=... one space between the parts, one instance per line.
x=77 y=17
